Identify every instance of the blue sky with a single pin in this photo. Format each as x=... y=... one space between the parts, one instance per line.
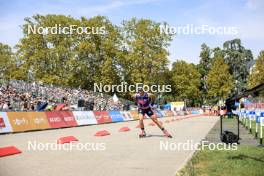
x=246 y=15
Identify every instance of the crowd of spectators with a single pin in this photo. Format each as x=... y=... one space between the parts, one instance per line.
x=23 y=96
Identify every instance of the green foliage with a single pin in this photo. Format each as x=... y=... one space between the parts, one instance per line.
x=239 y=60
x=72 y=60
x=134 y=52
x=246 y=160
x=186 y=80
x=5 y=60
x=8 y=63
x=205 y=60
x=257 y=75
x=203 y=68
x=146 y=60
x=219 y=80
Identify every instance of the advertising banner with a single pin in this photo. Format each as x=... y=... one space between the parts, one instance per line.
x=5 y=126
x=2 y=123
x=55 y=119
x=116 y=116
x=84 y=117
x=68 y=118
x=58 y=119
x=39 y=120
x=126 y=115
x=20 y=121
x=102 y=117
x=177 y=105
x=134 y=114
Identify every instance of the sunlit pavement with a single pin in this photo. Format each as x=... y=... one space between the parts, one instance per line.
x=125 y=153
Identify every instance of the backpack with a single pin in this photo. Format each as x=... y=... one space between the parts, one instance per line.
x=229 y=137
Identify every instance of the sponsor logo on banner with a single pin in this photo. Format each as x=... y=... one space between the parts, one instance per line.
x=2 y=123
x=68 y=118
x=58 y=119
x=20 y=121
x=55 y=119
x=102 y=117
x=5 y=126
x=116 y=116
x=126 y=116
x=177 y=105
x=134 y=114
x=39 y=120
x=84 y=117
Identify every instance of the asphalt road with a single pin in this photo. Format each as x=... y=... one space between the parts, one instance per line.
x=118 y=154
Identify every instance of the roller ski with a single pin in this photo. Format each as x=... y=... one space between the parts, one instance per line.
x=167 y=134
x=142 y=134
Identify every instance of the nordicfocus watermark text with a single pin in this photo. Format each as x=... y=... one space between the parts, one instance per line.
x=66 y=30
x=191 y=145
x=190 y=29
x=39 y=146
x=125 y=87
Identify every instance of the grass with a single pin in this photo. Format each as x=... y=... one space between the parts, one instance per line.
x=253 y=129
x=245 y=161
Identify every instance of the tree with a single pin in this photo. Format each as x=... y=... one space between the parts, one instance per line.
x=239 y=60
x=186 y=79
x=76 y=60
x=205 y=60
x=257 y=75
x=219 y=80
x=100 y=54
x=146 y=60
x=203 y=68
x=46 y=57
x=7 y=62
x=135 y=52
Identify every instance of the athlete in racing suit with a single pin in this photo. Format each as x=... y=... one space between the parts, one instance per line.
x=145 y=101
